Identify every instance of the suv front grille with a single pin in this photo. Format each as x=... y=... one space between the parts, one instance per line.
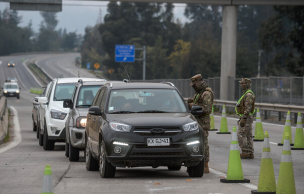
x=148 y=131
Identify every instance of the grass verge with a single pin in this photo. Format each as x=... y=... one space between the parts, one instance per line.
x=7 y=137
x=36 y=90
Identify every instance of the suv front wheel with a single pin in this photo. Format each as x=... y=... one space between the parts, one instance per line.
x=91 y=162
x=47 y=144
x=73 y=152
x=107 y=170
x=197 y=171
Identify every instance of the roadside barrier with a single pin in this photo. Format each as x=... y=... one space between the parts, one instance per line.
x=212 y=127
x=259 y=132
x=299 y=137
x=235 y=171
x=47 y=181
x=224 y=125
x=287 y=129
x=286 y=182
x=267 y=182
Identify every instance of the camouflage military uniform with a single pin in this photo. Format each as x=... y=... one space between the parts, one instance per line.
x=245 y=109
x=203 y=97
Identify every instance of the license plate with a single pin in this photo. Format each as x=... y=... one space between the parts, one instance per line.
x=11 y=94
x=158 y=141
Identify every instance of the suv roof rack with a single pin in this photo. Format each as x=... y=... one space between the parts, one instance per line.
x=169 y=83
x=111 y=84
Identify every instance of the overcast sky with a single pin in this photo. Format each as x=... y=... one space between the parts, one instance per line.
x=76 y=15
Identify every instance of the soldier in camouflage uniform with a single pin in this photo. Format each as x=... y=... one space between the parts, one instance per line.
x=203 y=97
x=245 y=109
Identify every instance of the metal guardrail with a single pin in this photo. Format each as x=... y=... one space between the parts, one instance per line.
x=264 y=106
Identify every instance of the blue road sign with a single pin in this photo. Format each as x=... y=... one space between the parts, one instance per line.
x=88 y=66
x=124 y=53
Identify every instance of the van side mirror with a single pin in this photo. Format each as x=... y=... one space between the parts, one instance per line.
x=68 y=104
x=196 y=110
x=95 y=110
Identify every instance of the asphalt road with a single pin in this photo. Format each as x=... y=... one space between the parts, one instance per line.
x=22 y=167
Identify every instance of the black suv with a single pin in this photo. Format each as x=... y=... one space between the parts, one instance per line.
x=142 y=124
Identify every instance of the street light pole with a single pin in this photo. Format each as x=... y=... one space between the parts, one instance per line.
x=259 y=66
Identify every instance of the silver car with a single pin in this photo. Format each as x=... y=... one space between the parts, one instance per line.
x=79 y=105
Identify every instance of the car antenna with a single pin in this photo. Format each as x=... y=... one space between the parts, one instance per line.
x=126 y=71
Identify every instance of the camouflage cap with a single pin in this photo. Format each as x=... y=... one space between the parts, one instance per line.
x=245 y=80
x=195 y=79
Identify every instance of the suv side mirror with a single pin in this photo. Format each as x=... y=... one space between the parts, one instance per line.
x=196 y=110
x=67 y=103
x=43 y=100
x=95 y=110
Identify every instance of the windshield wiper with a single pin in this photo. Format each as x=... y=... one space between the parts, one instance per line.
x=122 y=112
x=153 y=111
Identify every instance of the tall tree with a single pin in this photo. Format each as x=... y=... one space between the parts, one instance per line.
x=282 y=39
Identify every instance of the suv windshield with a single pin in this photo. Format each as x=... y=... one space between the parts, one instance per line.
x=86 y=96
x=11 y=86
x=64 y=91
x=145 y=101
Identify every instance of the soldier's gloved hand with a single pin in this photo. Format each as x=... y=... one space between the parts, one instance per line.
x=243 y=122
x=190 y=105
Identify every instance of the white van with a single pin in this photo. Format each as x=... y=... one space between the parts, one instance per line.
x=52 y=114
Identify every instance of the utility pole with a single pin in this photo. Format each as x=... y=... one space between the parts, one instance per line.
x=259 y=65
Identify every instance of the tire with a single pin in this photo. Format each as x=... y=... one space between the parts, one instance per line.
x=40 y=137
x=47 y=144
x=37 y=134
x=18 y=97
x=34 y=125
x=197 y=171
x=175 y=168
x=66 y=148
x=91 y=163
x=107 y=170
x=73 y=153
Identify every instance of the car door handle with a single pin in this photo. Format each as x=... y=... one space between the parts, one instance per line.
x=94 y=119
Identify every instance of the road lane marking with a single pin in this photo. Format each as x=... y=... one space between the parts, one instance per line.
x=0 y=62
x=273 y=143
x=254 y=122
x=221 y=174
x=21 y=80
x=31 y=73
x=17 y=134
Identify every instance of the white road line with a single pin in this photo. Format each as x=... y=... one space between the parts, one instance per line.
x=31 y=73
x=248 y=185
x=254 y=122
x=273 y=143
x=21 y=80
x=0 y=62
x=17 y=134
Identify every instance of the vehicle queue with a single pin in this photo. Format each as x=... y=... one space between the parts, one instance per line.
x=120 y=124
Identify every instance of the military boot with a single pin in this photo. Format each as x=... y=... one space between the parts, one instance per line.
x=206 y=168
x=244 y=155
x=251 y=156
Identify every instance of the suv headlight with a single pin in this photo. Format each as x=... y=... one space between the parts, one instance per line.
x=55 y=114
x=120 y=127
x=5 y=91
x=17 y=91
x=81 y=122
x=190 y=126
